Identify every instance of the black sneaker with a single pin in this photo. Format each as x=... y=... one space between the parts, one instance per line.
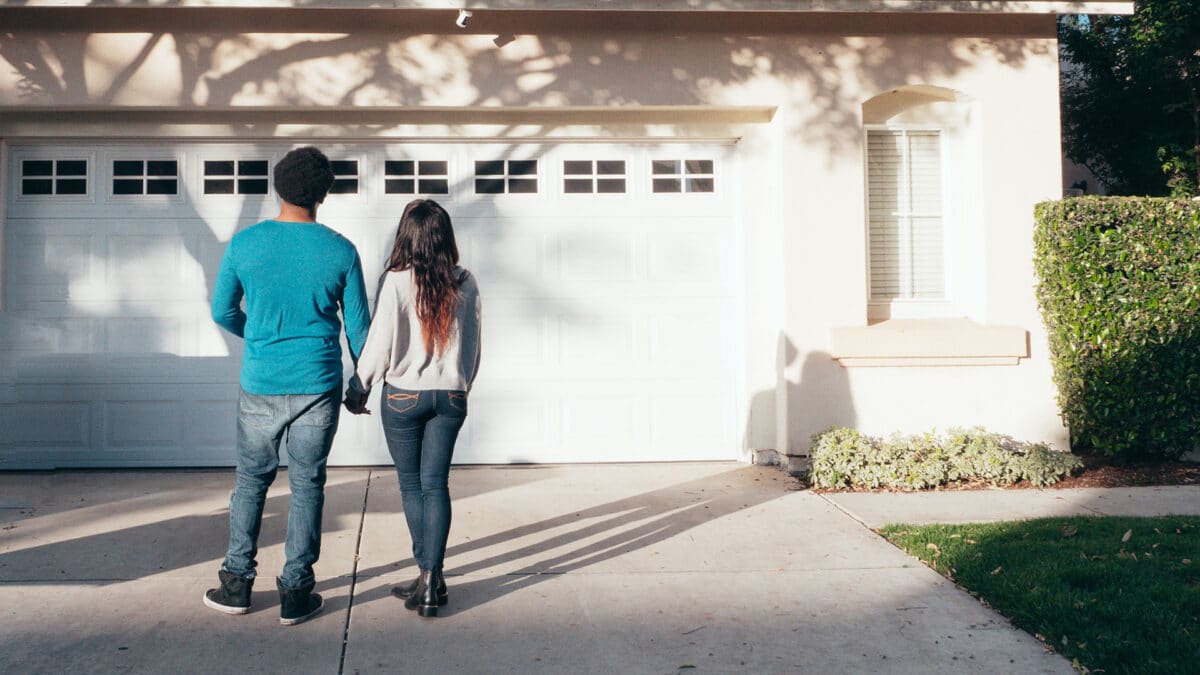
x=233 y=597
x=297 y=605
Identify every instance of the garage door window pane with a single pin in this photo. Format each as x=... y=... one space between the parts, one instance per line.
x=522 y=167
x=252 y=168
x=162 y=168
x=522 y=185
x=687 y=175
x=577 y=186
x=256 y=186
x=72 y=187
x=37 y=167
x=610 y=186
x=123 y=186
x=124 y=167
x=250 y=177
x=491 y=168
x=434 y=168
x=218 y=187
x=401 y=177
x=668 y=185
x=611 y=167
x=581 y=176
x=54 y=177
x=162 y=187
x=512 y=176
x=434 y=177
x=398 y=167
x=577 y=168
x=152 y=177
x=221 y=168
x=345 y=180
x=435 y=186
x=37 y=186
x=489 y=186
x=73 y=167
x=399 y=186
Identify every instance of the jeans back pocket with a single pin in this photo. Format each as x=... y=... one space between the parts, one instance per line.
x=457 y=400
x=400 y=401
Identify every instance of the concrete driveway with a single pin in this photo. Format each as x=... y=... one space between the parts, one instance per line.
x=645 y=568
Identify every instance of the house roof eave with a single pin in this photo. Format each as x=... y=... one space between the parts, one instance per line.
x=778 y=6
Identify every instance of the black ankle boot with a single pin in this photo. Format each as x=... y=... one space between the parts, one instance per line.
x=425 y=597
x=405 y=591
x=297 y=605
x=233 y=597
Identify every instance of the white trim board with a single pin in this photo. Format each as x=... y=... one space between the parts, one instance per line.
x=785 y=6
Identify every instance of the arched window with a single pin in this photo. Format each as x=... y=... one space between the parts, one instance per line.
x=919 y=176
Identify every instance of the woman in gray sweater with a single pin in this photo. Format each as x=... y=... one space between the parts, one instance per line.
x=423 y=346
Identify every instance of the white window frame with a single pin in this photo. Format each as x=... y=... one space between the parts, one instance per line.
x=563 y=176
x=912 y=308
x=258 y=155
x=683 y=175
x=56 y=155
x=105 y=174
x=539 y=177
x=449 y=177
x=360 y=176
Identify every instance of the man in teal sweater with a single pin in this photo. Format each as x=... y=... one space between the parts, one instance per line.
x=295 y=274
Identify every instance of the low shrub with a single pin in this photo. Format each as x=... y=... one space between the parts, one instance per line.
x=847 y=458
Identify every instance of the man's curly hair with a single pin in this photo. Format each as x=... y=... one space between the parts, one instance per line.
x=303 y=177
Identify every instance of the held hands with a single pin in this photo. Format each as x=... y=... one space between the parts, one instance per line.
x=356 y=402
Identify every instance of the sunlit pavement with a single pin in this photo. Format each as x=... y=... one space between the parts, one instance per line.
x=635 y=568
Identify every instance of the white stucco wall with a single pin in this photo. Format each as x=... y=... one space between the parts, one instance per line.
x=800 y=83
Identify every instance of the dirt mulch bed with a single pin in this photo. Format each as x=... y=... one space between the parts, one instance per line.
x=1097 y=472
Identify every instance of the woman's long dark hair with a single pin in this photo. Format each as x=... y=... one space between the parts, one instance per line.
x=425 y=244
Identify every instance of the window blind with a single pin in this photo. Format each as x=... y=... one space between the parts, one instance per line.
x=906 y=236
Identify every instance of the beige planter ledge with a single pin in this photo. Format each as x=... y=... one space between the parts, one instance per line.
x=929 y=342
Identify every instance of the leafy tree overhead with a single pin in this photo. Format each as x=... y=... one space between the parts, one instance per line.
x=1131 y=97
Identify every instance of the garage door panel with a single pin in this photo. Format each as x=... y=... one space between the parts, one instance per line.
x=604 y=346
x=509 y=426
x=698 y=422
x=205 y=427
x=142 y=336
x=50 y=424
x=515 y=346
x=688 y=258
x=591 y=421
x=608 y=258
x=607 y=317
x=46 y=335
x=143 y=423
x=49 y=258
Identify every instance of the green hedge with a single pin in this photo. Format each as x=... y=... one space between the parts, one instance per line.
x=1119 y=290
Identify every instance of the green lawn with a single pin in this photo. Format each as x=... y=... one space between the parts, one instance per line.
x=1116 y=595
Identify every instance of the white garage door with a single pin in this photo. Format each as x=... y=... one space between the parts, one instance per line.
x=609 y=276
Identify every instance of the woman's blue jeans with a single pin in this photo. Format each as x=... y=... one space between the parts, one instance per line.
x=306 y=425
x=421 y=428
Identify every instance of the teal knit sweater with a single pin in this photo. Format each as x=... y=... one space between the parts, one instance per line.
x=294 y=277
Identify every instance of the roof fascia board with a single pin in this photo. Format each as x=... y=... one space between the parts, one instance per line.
x=785 y=6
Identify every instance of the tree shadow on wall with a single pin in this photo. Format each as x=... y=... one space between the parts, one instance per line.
x=544 y=59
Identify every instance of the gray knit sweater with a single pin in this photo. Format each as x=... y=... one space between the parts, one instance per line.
x=395 y=349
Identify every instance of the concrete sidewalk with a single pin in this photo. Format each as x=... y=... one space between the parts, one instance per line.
x=651 y=568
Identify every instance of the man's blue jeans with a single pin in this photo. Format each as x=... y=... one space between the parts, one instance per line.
x=305 y=424
x=421 y=428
